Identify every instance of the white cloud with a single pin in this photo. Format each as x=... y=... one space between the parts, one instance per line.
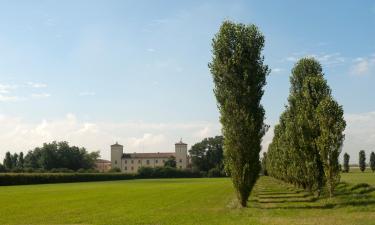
x=36 y=85
x=151 y=50
x=40 y=95
x=7 y=98
x=87 y=93
x=6 y=88
x=17 y=134
x=363 y=65
x=277 y=70
x=329 y=60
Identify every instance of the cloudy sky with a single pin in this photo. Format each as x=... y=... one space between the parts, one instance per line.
x=96 y=72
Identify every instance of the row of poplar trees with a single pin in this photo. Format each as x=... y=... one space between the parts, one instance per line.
x=308 y=139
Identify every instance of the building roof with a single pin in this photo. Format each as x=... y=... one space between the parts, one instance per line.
x=102 y=161
x=117 y=144
x=149 y=155
x=180 y=143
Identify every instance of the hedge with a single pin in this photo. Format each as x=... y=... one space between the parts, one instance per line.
x=47 y=178
x=166 y=172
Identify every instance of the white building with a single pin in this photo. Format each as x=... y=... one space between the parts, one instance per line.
x=131 y=162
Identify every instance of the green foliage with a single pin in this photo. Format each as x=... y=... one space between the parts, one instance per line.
x=372 y=161
x=165 y=172
x=208 y=154
x=362 y=160
x=264 y=164
x=115 y=170
x=330 y=116
x=215 y=172
x=171 y=162
x=239 y=76
x=60 y=155
x=308 y=139
x=46 y=178
x=8 y=163
x=2 y=168
x=346 y=163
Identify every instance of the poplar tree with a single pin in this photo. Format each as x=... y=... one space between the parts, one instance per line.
x=346 y=162
x=362 y=160
x=308 y=139
x=372 y=161
x=239 y=75
x=332 y=124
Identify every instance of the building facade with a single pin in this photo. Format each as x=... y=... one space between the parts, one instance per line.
x=131 y=162
x=103 y=165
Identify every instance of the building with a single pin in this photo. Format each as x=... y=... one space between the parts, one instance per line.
x=131 y=162
x=103 y=165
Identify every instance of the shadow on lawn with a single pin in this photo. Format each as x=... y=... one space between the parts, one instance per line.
x=345 y=195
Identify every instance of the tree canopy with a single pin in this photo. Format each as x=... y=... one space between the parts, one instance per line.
x=239 y=76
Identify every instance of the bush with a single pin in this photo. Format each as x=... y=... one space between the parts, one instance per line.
x=166 y=172
x=215 y=172
x=114 y=170
x=46 y=178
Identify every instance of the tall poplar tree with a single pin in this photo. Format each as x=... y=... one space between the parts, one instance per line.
x=346 y=162
x=362 y=160
x=332 y=125
x=239 y=76
x=372 y=161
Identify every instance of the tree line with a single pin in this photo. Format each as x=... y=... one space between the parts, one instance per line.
x=49 y=157
x=308 y=139
x=361 y=161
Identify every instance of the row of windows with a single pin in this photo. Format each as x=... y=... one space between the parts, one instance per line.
x=132 y=168
x=147 y=162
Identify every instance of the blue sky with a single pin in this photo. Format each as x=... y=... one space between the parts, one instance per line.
x=95 y=72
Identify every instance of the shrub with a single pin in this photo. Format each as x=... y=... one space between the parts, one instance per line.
x=165 y=172
x=114 y=170
x=45 y=178
x=215 y=172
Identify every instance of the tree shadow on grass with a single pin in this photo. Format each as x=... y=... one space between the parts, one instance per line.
x=345 y=195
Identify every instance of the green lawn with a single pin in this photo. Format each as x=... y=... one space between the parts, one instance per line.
x=185 y=201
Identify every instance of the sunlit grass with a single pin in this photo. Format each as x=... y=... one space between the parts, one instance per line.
x=186 y=201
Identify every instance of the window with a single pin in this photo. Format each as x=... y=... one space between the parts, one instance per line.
x=126 y=168
x=139 y=161
x=180 y=160
x=132 y=161
x=148 y=162
x=132 y=168
x=126 y=161
x=156 y=161
x=163 y=161
x=115 y=161
x=180 y=167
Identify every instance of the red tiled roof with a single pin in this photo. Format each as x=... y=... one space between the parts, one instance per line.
x=102 y=161
x=149 y=155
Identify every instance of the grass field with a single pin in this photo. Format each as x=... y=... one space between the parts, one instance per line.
x=185 y=201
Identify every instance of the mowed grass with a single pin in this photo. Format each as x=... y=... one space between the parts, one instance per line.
x=185 y=201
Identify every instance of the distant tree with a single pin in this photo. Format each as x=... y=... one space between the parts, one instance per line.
x=264 y=162
x=57 y=155
x=207 y=154
x=2 y=168
x=171 y=162
x=8 y=164
x=20 y=161
x=362 y=160
x=14 y=158
x=372 y=161
x=346 y=162
x=239 y=75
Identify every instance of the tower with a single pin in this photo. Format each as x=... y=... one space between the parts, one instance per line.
x=181 y=155
x=116 y=155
